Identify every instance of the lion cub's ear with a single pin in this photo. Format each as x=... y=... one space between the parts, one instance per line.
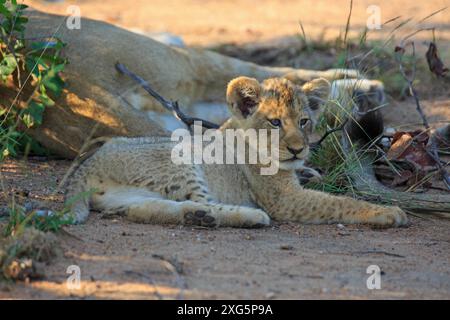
x=243 y=96
x=317 y=91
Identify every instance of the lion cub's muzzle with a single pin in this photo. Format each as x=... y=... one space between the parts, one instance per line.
x=296 y=153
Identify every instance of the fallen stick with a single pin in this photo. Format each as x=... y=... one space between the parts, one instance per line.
x=174 y=267
x=379 y=252
x=368 y=186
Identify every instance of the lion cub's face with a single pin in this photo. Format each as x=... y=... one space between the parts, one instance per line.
x=279 y=104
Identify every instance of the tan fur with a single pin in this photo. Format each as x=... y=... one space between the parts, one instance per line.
x=96 y=94
x=137 y=178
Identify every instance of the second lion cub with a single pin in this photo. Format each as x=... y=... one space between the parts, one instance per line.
x=136 y=176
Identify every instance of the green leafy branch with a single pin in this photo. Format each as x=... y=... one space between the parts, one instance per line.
x=42 y=62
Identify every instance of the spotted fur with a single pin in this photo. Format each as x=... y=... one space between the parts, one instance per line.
x=136 y=177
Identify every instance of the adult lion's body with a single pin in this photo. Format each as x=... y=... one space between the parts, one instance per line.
x=92 y=95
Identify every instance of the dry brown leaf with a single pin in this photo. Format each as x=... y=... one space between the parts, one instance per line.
x=411 y=147
x=434 y=62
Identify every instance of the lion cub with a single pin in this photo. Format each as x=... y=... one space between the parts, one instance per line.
x=136 y=177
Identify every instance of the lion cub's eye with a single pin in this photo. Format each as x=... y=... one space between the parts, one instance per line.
x=275 y=122
x=303 y=122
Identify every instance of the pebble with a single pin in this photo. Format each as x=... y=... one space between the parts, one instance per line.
x=270 y=295
x=44 y=213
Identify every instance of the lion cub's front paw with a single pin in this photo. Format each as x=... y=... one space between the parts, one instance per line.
x=198 y=215
x=308 y=175
x=392 y=217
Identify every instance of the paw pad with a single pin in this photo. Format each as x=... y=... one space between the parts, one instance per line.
x=199 y=218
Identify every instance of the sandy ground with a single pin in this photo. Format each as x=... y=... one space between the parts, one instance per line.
x=206 y=22
x=119 y=259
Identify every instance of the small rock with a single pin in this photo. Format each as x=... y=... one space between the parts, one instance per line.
x=270 y=295
x=340 y=226
x=44 y=213
x=286 y=247
x=389 y=131
x=249 y=237
x=28 y=206
x=24 y=270
x=385 y=142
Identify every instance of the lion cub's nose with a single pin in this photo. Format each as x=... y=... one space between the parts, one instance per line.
x=295 y=151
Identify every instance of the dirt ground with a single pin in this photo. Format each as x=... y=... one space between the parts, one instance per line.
x=123 y=260
x=120 y=259
x=208 y=22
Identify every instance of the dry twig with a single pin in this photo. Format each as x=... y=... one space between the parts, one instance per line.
x=316 y=145
x=171 y=106
x=173 y=266
x=432 y=149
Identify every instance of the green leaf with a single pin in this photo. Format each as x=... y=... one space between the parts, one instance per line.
x=9 y=150
x=46 y=59
x=21 y=20
x=7 y=66
x=41 y=58
x=33 y=114
x=30 y=64
x=53 y=82
x=19 y=44
x=19 y=28
x=46 y=100
x=59 y=67
x=4 y=11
